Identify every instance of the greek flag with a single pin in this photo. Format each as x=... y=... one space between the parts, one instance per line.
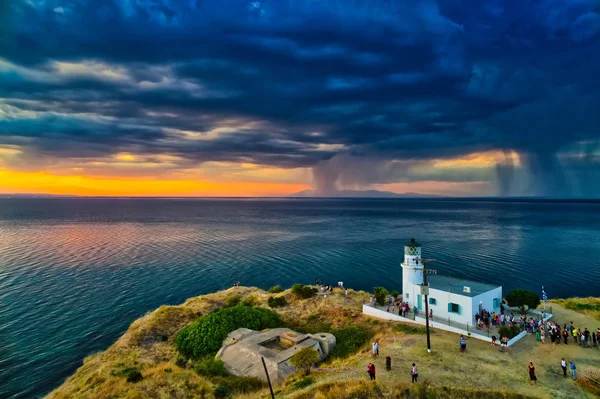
x=544 y=296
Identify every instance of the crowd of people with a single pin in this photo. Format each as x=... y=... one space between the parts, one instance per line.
x=562 y=335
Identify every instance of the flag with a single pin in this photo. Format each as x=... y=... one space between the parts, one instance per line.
x=544 y=296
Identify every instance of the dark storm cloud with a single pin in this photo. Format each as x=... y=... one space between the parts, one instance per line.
x=304 y=83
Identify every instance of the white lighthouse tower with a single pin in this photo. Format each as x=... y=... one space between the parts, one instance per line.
x=412 y=273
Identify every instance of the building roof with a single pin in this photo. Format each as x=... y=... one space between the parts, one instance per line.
x=457 y=285
x=412 y=243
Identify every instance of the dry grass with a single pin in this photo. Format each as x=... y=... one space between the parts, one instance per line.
x=589 y=306
x=481 y=372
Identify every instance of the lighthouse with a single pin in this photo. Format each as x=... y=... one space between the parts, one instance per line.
x=412 y=272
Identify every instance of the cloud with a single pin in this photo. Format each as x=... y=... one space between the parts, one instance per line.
x=365 y=93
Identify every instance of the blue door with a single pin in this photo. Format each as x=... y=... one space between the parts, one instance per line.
x=419 y=302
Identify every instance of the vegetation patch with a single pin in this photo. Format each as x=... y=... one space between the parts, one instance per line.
x=304 y=359
x=303 y=291
x=380 y=295
x=303 y=383
x=349 y=340
x=210 y=367
x=232 y=300
x=131 y=374
x=276 y=301
x=590 y=306
x=275 y=289
x=523 y=299
x=240 y=385
x=410 y=329
x=205 y=336
x=509 y=331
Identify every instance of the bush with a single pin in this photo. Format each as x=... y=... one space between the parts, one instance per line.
x=133 y=375
x=205 y=336
x=302 y=291
x=250 y=301
x=232 y=301
x=395 y=294
x=380 y=295
x=523 y=299
x=509 y=331
x=349 y=340
x=276 y=289
x=276 y=302
x=304 y=359
x=210 y=367
x=222 y=391
x=181 y=362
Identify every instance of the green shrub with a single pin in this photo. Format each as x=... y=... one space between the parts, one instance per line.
x=133 y=375
x=304 y=359
x=380 y=295
x=395 y=294
x=509 y=331
x=250 y=301
x=232 y=300
x=302 y=291
x=349 y=340
x=210 y=367
x=523 y=299
x=205 y=336
x=276 y=289
x=222 y=391
x=276 y=301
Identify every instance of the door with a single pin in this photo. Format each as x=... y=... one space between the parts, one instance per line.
x=420 y=302
x=480 y=308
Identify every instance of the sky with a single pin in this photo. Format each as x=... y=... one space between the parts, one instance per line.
x=272 y=97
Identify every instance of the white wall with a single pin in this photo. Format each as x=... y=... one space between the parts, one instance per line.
x=487 y=302
x=381 y=314
x=441 y=309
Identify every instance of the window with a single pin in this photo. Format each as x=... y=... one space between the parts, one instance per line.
x=407 y=296
x=454 y=308
x=496 y=303
x=432 y=301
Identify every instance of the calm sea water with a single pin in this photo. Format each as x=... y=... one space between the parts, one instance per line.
x=74 y=273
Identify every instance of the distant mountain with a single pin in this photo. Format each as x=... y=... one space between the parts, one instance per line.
x=35 y=196
x=363 y=194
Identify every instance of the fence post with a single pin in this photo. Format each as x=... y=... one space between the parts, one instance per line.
x=467 y=327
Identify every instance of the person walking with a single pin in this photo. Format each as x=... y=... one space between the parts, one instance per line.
x=463 y=343
x=565 y=334
x=563 y=365
x=375 y=349
x=371 y=371
x=543 y=335
x=388 y=363
x=573 y=369
x=532 y=377
x=414 y=373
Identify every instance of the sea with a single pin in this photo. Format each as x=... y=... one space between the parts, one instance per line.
x=76 y=272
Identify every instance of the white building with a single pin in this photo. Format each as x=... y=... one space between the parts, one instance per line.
x=453 y=298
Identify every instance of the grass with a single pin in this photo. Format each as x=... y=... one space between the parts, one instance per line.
x=589 y=306
x=481 y=372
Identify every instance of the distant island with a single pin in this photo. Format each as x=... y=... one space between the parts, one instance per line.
x=361 y=194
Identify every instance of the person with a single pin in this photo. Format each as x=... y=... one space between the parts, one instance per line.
x=538 y=335
x=388 y=363
x=563 y=365
x=543 y=335
x=430 y=314
x=493 y=340
x=375 y=348
x=346 y=291
x=371 y=370
x=573 y=369
x=565 y=334
x=463 y=343
x=414 y=373
x=532 y=376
